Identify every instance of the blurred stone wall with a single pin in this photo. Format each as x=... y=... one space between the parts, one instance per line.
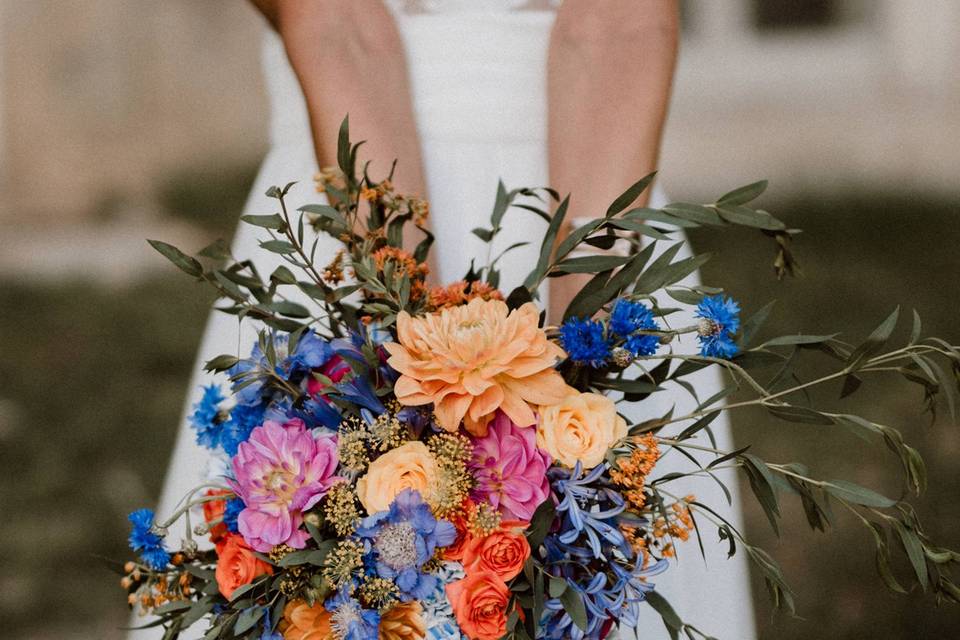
x=100 y=98
x=863 y=93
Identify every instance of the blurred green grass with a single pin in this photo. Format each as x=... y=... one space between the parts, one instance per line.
x=861 y=257
x=92 y=382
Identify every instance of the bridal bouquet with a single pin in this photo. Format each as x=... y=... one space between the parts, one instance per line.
x=403 y=461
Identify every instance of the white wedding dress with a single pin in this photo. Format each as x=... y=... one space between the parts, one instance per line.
x=478 y=83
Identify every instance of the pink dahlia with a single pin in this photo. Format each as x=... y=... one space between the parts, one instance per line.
x=511 y=472
x=281 y=471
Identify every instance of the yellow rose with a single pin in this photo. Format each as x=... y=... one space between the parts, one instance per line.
x=409 y=466
x=580 y=428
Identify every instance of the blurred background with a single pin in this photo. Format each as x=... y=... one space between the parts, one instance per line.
x=127 y=119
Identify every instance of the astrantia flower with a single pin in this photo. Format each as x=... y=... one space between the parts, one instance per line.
x=510 y=471
x=281 y=472
x=143 y=539
x=629 y=317
x=402 y=539
x=206 y=419
x=473 y=359
x=585 y=342
x=719 y=321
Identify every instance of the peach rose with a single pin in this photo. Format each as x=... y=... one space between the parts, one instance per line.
x=503 y=552
x=236 y=564
x=480 y=603
x=409 y=466
x=303 y=622
x=213 y=510
x=580 y=428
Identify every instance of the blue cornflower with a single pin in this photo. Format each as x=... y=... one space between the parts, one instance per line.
x=143 y=539
x=719 y=321
x=206 y=419
x=231 y=512
x=350 y=621
x=242 y=421
x=627 y=318
x=585 y=342
x=402 y=539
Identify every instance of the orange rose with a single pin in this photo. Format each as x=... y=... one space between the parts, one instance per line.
x=455 y=550
x=213 y=510
x=503 y=552
x=480 y=603
x=236 y=564
x=303 y=622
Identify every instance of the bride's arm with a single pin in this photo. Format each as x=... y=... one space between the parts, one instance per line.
x=348 y=58
x=609 y=75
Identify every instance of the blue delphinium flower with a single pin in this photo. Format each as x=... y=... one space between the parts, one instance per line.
x=350 y=621
x=310 y=352
x=634 y=585
x=231 y=512
x=438 y=616
x=207 y=419
x=629 y=317
x=242 y=421
x=585 y=341
x=402 y=539
x=589 y=512
x=145 y=541
x=719 y=321
x=268 y=631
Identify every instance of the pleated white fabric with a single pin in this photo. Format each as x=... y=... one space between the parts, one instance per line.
x=477 y=72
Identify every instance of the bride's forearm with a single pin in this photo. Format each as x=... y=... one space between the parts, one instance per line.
x=610 y=72
x=349 y=59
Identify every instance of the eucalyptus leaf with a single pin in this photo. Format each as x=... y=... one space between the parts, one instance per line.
x=856 y=494
x=743 y=195
x=626 y=198
x=272 y=221
x=181 y=260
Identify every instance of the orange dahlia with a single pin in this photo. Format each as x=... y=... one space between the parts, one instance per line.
x=476 y=358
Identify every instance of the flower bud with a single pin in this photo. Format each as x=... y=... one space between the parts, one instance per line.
x=621 y=357
x=707 y=327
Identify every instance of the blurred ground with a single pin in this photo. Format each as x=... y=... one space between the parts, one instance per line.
x=92 y=379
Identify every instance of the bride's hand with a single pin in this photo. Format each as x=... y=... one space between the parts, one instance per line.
x=348 y=58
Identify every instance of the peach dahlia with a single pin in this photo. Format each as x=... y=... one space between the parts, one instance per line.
x=473 y=359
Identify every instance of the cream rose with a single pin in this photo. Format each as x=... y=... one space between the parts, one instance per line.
x=580 y=428
x=409 y=466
